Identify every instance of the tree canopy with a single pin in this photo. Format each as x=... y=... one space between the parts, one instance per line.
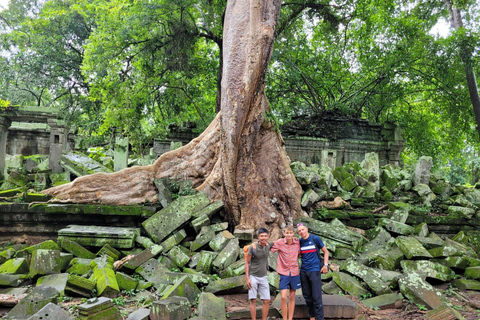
x=139 y=66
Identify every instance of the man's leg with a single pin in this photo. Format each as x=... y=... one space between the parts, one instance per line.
x=253 y=309
x=265 y=309
x=252 y=295
x=307 y=293
x=291 y=304
x=316 y=280
x=283 y=304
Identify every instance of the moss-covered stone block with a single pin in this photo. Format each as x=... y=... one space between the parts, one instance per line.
x=383 y=301
x=179 y=212
x=152 y=271
x=101 y=308
x=227 y=256
x=76 y=249
x=428 y=269
x=175 y=307
x=206 y=260
x=104 y=276
x=414 y=288
x=220 y=240
x=15 y=266
x=57 y=281
x=78 y=285
x=13 y=280
x=109 y=251
x=209 y=210
x=179 y=255
x=349 y=284
x=98 y=236
x=79 y=266
x=396 y=227
x=412 y=248
x=465 y=284
x=211 y=307
x=202 y=240
x=126 y=282
x=472 y=272
x=370 y=276
x=226 y=286
x=45 y=262
x=184 y=287
x=33 y=302
x=173 y=240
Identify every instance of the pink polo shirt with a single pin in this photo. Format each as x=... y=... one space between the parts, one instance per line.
x=287 y=263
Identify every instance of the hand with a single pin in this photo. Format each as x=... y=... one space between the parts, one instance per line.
x=324 y=269
x=249 y=284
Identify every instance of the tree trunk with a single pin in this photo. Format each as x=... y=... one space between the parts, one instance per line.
x=456 y=23
x=240 y=157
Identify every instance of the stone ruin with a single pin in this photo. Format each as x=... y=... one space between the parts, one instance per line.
x=395 y=237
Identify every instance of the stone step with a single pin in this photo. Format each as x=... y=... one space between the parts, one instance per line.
x=335 y=307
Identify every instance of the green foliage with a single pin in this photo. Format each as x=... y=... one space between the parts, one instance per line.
x=119 y=301
x=4 y=104
x=421 y=307
x=365 y=296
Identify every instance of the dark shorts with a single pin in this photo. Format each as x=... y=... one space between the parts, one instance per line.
x=289 y=282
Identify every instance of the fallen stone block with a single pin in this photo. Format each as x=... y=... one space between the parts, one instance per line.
x=452 y=248
x=80 y=286
x=45 y=262
x=227 y=286
x=309 y=198
x=139 y=314
x=81 y=164
x=472 y=272
x=98 y=308
x=331 y=288
x=465 y=284
x=125 y=282
x=220 y=240
x=428 y=269
x=144 y=242
x=461 y=212
x=104 y=276
x=379 y=237
x=33 y=302
x=200 y=222
x=179 y=255
x=244 y=234
x=415 y=289
x=196 y=277
x=183 y=287
x=202 y=240
x=97 y=236
x=11 y=297
x=13 y=280
x=349 y=284
x=209 y=210
x=235 y=269
x=179 y=212
x=164 y=194
x=384 y=301
x=430 y=243
x=421 y=229
x=396 y=227
x=227 y=256
x=211 y=307
x=109 y=251
x=79 y=266
x=152 y=271
x=167 y=262
x=76 y=249
x=52 y=312
x=15 y=266
x=57 y=281
x=143 y=257
x=206 y=260
x=173 y=308
x=173 y=240
x=412 y=248
x=65 y=259
x=46 y=245
x=454 y=262
x=371 y=277
x=400 y=216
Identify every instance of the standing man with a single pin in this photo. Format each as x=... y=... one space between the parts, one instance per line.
x=256 y=262
x=287 y=266
x=310 y=273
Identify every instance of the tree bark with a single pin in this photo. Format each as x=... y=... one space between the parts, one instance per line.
x=456 y=22
x=240 y=157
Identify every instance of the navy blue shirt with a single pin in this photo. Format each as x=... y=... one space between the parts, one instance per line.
x=308 y=248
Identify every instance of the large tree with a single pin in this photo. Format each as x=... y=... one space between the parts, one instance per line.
x=240 y=157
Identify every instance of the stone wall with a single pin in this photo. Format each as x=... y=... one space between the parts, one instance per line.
x=350 y=141
x=28 y=141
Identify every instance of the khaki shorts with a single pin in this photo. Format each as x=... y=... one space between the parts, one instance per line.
x=259 y=286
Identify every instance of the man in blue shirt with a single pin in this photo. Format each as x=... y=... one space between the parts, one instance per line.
x=310 y=272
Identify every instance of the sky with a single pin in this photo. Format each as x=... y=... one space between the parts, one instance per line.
x=3 y=4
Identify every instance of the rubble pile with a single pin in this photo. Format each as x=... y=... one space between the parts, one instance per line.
x=184 y=256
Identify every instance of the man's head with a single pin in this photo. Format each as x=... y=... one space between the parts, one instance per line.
x=302 y=230
x=288 y=232
x=263 y=235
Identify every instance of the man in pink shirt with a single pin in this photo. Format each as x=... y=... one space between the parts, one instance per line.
x=287 y=266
